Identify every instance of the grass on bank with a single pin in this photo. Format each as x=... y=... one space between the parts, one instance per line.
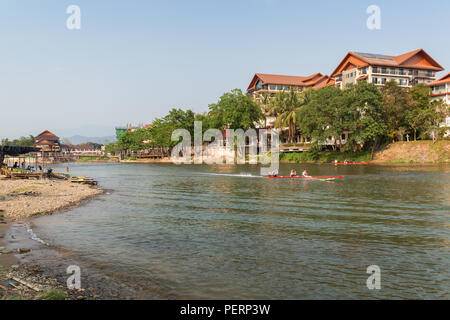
x=53 y=295
x=439 y=147
x=87 y=159
x=326 y=157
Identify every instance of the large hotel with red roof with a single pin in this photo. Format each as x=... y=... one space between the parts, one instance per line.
x=406 y=69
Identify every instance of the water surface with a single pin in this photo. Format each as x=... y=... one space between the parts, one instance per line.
x=222 y=232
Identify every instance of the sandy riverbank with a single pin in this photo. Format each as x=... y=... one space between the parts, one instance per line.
x=21 y=199
x=26 y=198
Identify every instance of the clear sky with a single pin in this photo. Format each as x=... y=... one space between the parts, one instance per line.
x=133 y=60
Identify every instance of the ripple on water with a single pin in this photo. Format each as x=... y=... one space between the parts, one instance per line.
x=212 y=232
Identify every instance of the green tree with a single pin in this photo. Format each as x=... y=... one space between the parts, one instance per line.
x=420 y=116
x=288 y=111
x=438 y=113
x=397 y=101
x=133 y=140
x=21 y=142
x=366 y=125
x=325 y=115
x=234 y=110
x=180 y=119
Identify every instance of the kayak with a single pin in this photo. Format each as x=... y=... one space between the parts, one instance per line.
x=307 y=178
x=350 y=163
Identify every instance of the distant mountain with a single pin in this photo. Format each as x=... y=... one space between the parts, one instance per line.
x=81 y=139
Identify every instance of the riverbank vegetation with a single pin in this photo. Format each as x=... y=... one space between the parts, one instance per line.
x=90 y=159
x=326 y=157
x=355 y=121
x=21 y=142
x=234 y=110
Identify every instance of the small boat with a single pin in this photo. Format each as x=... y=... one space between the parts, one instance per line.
x=307 y=178
x=350 y=163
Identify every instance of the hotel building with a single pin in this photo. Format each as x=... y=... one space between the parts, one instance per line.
x=272 y=84
x=440 y=89
x=407 y=69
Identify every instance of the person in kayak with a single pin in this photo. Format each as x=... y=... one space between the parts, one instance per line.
x=274 y=173
x=293 y=173
x=305 y=174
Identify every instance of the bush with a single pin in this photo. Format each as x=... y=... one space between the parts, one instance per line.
x=313 y=155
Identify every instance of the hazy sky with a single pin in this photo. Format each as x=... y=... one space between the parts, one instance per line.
x=134 y=60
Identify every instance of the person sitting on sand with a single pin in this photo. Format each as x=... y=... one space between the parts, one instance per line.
x=293 y=173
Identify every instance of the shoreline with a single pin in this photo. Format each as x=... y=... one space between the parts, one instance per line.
x=21 y=202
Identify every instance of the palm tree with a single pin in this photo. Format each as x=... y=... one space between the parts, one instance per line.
x=264 y=102
x=287 y=108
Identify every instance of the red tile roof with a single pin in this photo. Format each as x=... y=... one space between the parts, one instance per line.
x=274 y=79
x=47 y=135
x=417 y=59
x=445 y=79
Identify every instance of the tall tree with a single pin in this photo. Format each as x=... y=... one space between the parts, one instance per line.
x=288 y=111
x=325 y=115
x=438 y=113
x=419 y=117
x=397 y=101
x=234 y=110
x=367 y=127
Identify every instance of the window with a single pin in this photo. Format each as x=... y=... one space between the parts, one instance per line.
x=401 y=82
x=410 y=72
x=392 y=70
x=258 y=85
x=375 y=69
x=287 y=88
x=383 y=80
x=384 y=70
x=280 y=87
x=272 y=87
x=401 y=72
x=375 y=80
x=364 y=71
x=343 y=136
x=429 y=73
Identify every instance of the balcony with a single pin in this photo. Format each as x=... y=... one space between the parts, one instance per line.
x=398 y=72
x=440 y=91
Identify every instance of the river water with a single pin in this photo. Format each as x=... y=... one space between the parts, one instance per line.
x=225 y=232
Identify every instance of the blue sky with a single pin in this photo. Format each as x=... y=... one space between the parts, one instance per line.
x=134 y=60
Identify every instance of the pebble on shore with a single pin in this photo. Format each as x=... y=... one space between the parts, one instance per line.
x=26 y=198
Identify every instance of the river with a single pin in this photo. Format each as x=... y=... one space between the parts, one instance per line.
x=225 y=232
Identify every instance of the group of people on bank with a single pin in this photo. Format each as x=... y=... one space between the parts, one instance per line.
x=22 y=166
